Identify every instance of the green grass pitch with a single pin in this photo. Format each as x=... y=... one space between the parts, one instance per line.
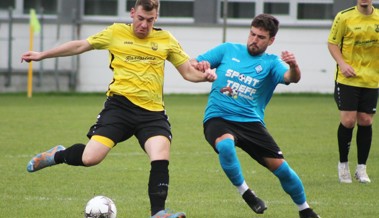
x=304 y=126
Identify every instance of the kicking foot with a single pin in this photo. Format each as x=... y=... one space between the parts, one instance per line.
x=44 y=159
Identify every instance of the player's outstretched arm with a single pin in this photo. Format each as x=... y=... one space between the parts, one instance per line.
x=188 y=72
x=67 y=49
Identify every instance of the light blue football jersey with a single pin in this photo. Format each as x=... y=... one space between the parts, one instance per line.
x=245 y=83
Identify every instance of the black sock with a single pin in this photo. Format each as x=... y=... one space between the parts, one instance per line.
x=71 y=155
x=158 y=185
x=364 y=137
x=344 y=140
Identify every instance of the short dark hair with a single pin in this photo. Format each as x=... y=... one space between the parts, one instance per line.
x=148 y=5
x=267 y=22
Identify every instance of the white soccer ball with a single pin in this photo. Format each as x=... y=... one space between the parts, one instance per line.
x=100 y=207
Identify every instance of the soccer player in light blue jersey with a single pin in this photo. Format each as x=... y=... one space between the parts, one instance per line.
x=246 y=79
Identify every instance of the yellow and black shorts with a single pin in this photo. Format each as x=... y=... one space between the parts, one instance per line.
x=120 y=119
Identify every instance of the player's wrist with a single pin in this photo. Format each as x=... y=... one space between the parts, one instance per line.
x=294 y=65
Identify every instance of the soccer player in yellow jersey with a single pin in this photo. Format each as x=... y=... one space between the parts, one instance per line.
x=353 y=42
x=134 y=104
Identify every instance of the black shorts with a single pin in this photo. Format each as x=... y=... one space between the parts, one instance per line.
x=252 y=137
x=120 y=119
x=350 y=98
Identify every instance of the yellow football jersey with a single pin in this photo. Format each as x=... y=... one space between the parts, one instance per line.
x=358 y=37
x=138 y=64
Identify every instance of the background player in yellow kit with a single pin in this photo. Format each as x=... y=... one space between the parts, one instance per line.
x=354 y=44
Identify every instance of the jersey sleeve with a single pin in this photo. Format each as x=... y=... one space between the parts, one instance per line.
x=102 y=39
x=279 y=69
x=214 y=56
x=337 y=30
x=177 y=55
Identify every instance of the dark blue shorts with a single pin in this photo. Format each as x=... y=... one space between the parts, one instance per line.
x=252 y=137
x=350 y=98
x=120 y=119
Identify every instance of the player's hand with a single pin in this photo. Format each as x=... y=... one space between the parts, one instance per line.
x=347 y=70
x=289 y=58
x=31 y=56
x=202 y=66
x=210 y=74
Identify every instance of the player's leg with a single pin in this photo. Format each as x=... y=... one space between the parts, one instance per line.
x=228 y=159
x=91 y=154
x=344 y=137
x=347 y=103
x=216 y=133
x=345 y=133
x=219 y=137
x=291 y=184
x=261 y=146
x=158 y=150
x=76 y=155
x=290 y=181
x=230 y=164
x=155 y=138
x=96 y=150
x=103 y=136
x=365 y=117
x=364 y=138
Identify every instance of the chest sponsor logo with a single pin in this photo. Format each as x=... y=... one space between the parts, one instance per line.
x=244 y=86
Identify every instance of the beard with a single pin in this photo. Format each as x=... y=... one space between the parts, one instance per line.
x=254 y=50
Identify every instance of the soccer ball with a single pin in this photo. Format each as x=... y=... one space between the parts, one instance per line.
x=100 y=207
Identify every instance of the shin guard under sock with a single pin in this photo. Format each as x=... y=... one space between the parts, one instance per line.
x=344 y=136
x=291 y=183
x=71 y=155
x=229 y=161
x=364 y=138
x=158 y=185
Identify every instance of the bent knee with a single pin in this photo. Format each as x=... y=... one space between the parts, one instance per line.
x=90 y=160
x=226 y=146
